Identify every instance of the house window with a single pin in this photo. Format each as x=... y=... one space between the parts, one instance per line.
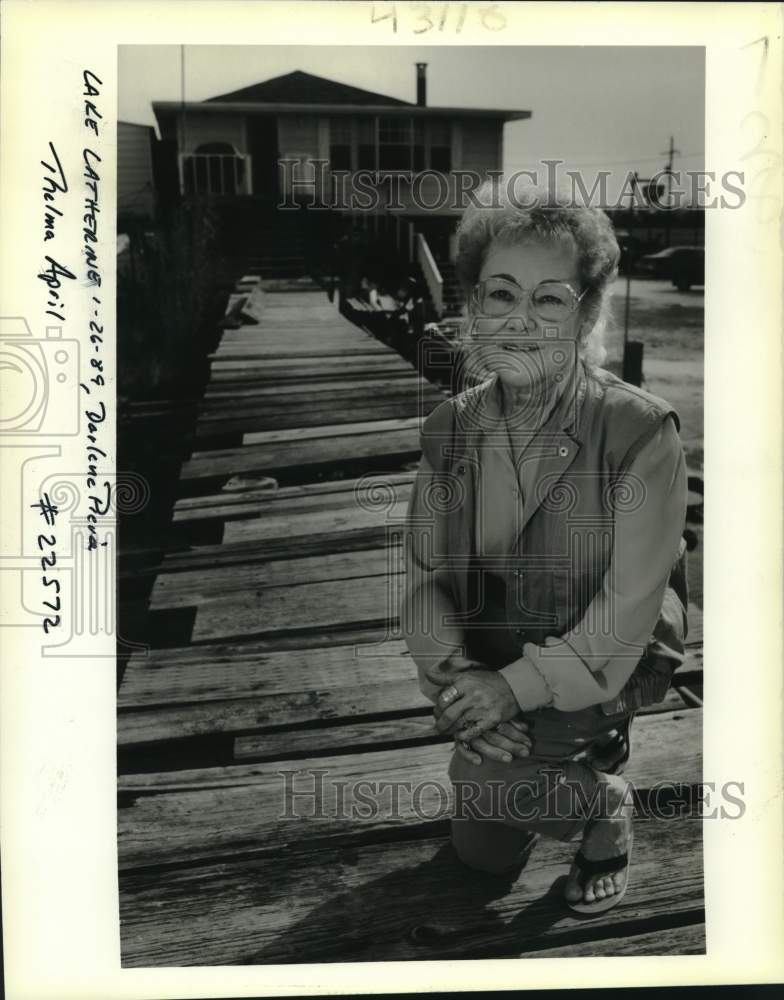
x=366 y=143
x=419 y=144
x=213 y=168
x=440 y=145
x=340 y=143
x=394 y=144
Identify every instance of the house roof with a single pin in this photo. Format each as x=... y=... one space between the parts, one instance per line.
x=171 y=108
x=305 y=88
x=298 y=92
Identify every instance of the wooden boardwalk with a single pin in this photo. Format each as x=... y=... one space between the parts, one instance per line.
x=276 y=678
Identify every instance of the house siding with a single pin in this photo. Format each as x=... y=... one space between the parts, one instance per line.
x=206 y=127
x=481 y=141
x=298 y=134
x=135 y=188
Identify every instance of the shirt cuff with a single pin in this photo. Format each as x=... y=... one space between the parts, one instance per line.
x=528 y=685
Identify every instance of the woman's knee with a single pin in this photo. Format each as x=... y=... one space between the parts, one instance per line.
x=487 y=845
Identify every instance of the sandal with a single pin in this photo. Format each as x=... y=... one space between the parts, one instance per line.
x=605 y=866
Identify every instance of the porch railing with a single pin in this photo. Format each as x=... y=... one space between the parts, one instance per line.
x=433 y=279
x=404 y=237
x=215 y=173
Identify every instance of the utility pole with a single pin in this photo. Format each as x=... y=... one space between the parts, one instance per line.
x=670 y=153
x=181 y=152
x=629 y=266
x=632 y=349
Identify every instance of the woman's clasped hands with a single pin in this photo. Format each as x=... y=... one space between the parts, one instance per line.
x=479 y=709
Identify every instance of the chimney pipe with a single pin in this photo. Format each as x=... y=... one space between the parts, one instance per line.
x=421 y=92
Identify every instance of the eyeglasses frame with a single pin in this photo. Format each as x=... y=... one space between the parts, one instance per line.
x=527 y=293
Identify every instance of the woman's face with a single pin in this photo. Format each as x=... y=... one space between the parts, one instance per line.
x=522 y=348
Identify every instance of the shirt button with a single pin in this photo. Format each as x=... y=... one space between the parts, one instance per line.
x=563 y=451
x=460 y=470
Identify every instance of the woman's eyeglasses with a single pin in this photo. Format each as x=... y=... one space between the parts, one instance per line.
x=550 y=301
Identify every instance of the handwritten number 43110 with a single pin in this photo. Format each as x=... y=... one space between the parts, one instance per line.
x=440 y=17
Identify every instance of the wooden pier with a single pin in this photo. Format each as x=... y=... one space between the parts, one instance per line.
x=276 y=684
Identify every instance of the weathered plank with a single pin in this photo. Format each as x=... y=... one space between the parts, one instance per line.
x=389 y=409
x=267 y=349
x=207 y=557
x=362 y=394
x=362 y=378
x=216 y=812
x=687 y=939
x=348 y=518
x=357 y=601
x=343 y=395
x=190 y=588
x=265 y=403
x=320 y=742
x=136 y=728
x=167 y=677
x=278 y=323
x=331 y=431
x=310 y=532
x=286 y=368
x=424 y=904
x=327 y=451
x=294 y=499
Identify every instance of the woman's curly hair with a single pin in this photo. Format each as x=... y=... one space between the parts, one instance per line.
x=516 y=213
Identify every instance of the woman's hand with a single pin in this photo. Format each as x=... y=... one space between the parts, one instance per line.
x=475 y=702
x=503 y=741
x=507 y=741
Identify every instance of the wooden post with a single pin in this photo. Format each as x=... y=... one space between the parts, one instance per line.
x=632 y=349
x=632 y=362
x=626 y=306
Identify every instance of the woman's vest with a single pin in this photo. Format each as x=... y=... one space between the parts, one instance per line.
x=563 y=550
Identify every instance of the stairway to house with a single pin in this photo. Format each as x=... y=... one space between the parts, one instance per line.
x=454 y=300
x=277 y=248
x=277 y=244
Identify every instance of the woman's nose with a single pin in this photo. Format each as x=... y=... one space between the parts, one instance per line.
x=521 y=322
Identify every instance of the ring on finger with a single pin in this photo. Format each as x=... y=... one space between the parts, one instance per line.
x=450 y=694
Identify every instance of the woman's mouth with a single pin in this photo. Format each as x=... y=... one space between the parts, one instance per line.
x=518 y=348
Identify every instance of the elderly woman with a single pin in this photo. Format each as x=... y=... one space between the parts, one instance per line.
x=545 y=590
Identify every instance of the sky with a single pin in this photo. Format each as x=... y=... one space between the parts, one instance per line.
x=596 y=108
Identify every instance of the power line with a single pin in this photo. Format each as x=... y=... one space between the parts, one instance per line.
x=615 y=163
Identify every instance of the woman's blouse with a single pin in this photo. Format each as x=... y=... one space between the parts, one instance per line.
x=586 y=666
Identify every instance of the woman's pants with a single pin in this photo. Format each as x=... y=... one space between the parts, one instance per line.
x=498 y=805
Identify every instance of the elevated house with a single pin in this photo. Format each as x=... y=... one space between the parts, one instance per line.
x=303 y=139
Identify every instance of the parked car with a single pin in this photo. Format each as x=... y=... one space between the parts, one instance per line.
x=683 y=266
